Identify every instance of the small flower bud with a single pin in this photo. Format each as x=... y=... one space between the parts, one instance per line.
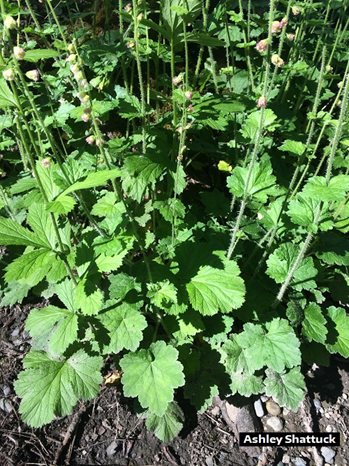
x=79 y=76
x=46 y=162
x=84 y=85
x=9 y=74
x=262 y=102
x=99 y=142
x=130 y=44
x=340 y=85
x=284 y=22
x=177 y=80
x=190 y=108
x=262 y=45
x=90 y=140
x=277 y=60
x=74 y=68
x=71 y=58
x=188 y=95
x=276 y=27
x=10 y=23
x=18 y=53
x=85 y=117
x=329 y=68
x=296 y=10
x=83 y=97
x=291 y=37
x=128 y=8
x=140 y=16
x=260 y=216
x=71 y=48
x=33 y=75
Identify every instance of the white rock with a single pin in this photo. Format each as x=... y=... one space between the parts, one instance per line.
x=258 y=407
x=328 y=428
x=273 y=408
x=232 y=411
x=328 y=454
x=345 y=396
x=275 y=423
x=298 y=461
x=286 y=458
x=264 y=398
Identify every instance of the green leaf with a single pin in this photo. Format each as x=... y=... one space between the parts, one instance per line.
x=89 y=298
x=120 y=285
x=7 y=99
x=92 y=180
x=66 y=293
x=274 y=345
x=234 y=357
x=213 y=290
x=302 y=211
x=50 y=388
x=60 y=326
x=42 y=225
x=162 y=294
x=125 y=325
x=30 y=268
x=280 y=262
x=245 y=384
x=314 y=324
x=35 y=55
x=62 y=205
x=259 y=186
x=295 y=147
x=11 y=233
x=138 y=173
x=107 y=206
x=317 y=188
x=251 y=124
x=152 y=375
x=167 y=426
x=340 y=321
x=333 y=249
x=204 y=39
x=287 y=389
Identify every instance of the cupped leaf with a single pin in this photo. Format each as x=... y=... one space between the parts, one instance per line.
x=50 y=387
x=152 y=375
x=280 y=262
x=338 y=337
x=167 y=426
x=125 y=325
x=314 y=324
x=58 y=326
x=287 y=389
x=212 y=290
x=11 y=233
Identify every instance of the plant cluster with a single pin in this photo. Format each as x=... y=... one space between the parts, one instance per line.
x=175 y=179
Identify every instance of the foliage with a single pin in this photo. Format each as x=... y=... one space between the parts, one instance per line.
x=174 y=181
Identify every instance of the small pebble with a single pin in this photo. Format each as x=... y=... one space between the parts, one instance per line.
x=328 y=454
x=112 y=448
x=273 y=408
x=286 y=458
x=15 y=332
x=298 y=461
x=345 y=396
x=6 y=390
x=286 y=411
x=258 y=407
x=317 y=404
x=275 y=423
x=264 y=398
x=5 y=405
x=329 y=428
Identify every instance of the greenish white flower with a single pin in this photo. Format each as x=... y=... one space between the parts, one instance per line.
x=33 y=75
x=18 y=53
x=10 y=23
x=9 y=74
